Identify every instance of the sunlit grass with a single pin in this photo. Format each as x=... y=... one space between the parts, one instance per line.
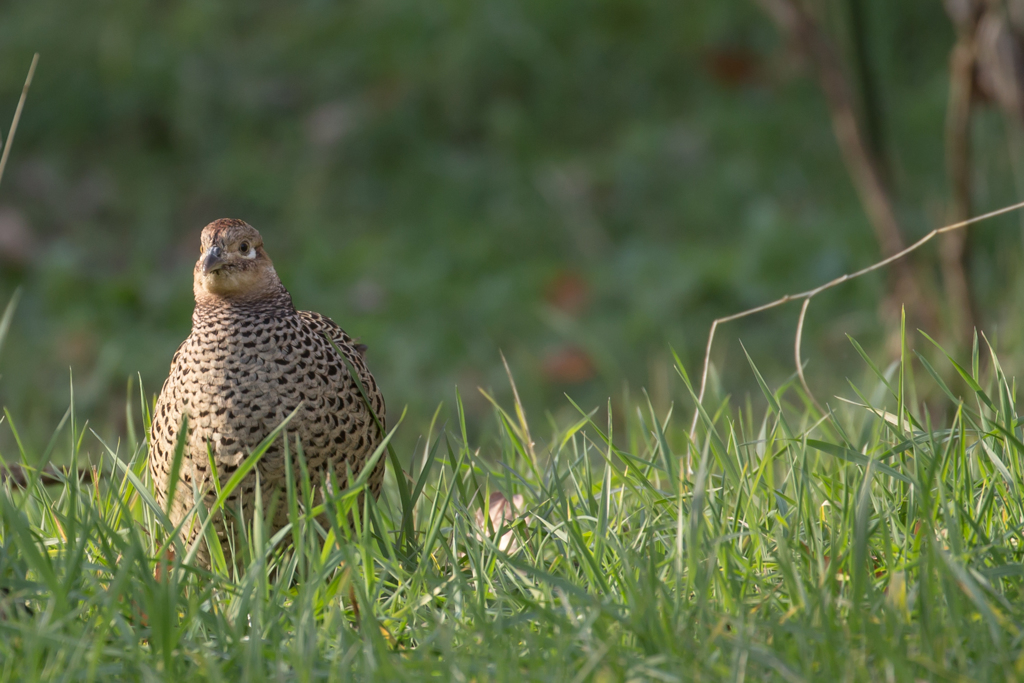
x=868 y=543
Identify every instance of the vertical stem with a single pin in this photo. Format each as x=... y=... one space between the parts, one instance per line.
x=871 y=101
x=862 y=166
x=952 y=247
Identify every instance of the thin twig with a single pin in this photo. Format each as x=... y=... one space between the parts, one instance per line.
x=16 y=472
x=811 y=293
x=796 y=355
x=17 y=115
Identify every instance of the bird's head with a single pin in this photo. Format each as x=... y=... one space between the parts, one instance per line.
x=232 y=263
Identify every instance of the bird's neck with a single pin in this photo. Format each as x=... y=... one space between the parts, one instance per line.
x=214 y=310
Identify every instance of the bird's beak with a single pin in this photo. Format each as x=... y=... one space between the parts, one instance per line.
x=213 y=259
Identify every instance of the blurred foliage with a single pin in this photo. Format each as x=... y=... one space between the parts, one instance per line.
x=580 y=184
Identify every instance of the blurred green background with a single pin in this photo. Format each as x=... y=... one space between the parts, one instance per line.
x=579 y=184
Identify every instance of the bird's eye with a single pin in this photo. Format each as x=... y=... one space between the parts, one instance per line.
x=244 y=247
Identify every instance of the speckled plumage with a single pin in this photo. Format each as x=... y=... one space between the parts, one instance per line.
x=250 y=361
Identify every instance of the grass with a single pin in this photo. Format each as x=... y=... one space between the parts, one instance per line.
x=877 y=541
x=868 y=543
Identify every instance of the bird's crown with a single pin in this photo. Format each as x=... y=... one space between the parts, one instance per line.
x=226 y=231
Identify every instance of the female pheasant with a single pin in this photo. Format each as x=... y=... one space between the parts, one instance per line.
x=250 y=361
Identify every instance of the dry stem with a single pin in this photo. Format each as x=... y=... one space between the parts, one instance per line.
x=17 y=114
x=958 y=165
x=811 y=293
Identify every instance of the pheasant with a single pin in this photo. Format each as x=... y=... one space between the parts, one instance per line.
x=250 y=361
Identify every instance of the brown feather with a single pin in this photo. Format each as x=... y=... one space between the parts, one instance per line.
x=250 y=361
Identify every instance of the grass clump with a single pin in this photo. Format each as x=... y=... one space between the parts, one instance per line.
x=866 y=543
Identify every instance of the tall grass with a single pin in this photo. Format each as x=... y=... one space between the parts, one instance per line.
x=878 y=541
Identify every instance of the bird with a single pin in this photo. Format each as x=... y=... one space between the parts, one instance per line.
x=250 y=361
